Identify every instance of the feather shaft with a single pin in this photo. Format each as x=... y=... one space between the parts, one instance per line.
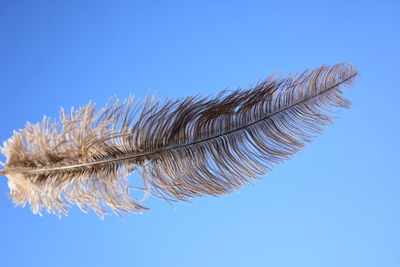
x=117 y=159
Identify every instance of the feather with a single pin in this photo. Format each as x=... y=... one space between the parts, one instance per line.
x=183 y=148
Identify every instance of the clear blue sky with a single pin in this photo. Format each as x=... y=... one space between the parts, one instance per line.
x=337 y=203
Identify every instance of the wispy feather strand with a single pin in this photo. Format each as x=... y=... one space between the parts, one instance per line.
x=184 y=148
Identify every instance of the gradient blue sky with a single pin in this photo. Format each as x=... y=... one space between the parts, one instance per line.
x=334 y=204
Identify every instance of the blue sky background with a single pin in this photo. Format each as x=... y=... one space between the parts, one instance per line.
x=334 y=204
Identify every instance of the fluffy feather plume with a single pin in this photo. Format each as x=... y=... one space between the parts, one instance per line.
x=184 y=148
